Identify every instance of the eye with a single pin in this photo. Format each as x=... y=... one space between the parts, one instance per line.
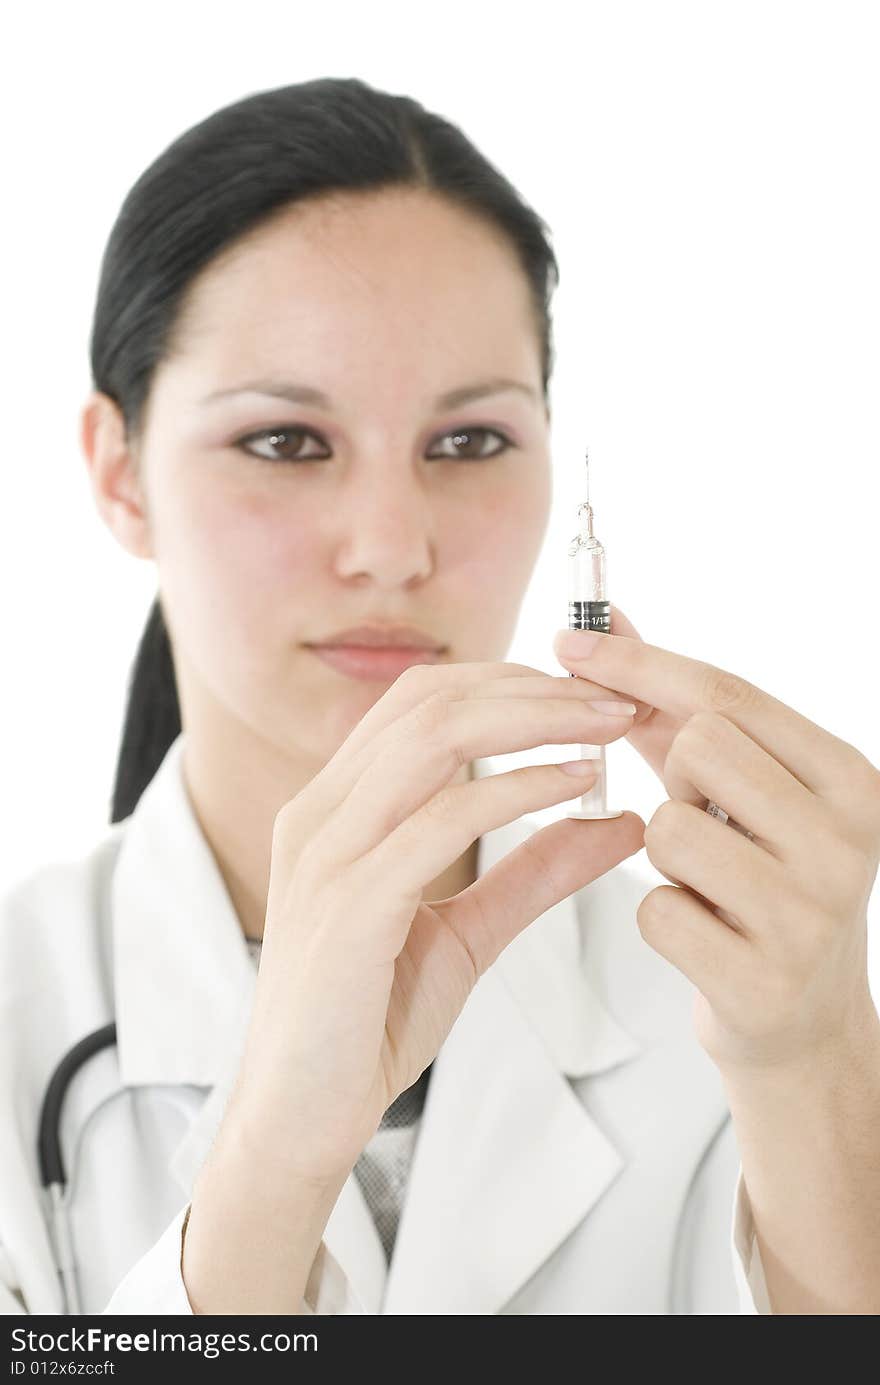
x=468 y=443
x=283 y=434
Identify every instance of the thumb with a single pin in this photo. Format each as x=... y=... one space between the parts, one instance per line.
x=552 y=863
x=621 y=626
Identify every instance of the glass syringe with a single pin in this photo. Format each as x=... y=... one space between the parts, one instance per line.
x=589 y=609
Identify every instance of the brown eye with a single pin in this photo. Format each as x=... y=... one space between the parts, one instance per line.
x=288 y=441
x=285 y=444
x=468 y=444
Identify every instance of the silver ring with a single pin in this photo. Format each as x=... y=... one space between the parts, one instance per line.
x=714 y=811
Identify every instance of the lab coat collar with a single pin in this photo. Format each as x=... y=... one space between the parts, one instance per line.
x=183 y=978
x=507 y=1161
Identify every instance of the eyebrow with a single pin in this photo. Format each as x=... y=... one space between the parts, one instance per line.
x=305 y=394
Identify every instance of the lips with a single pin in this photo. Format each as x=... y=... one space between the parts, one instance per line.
x=380 y=665
x=380 y=637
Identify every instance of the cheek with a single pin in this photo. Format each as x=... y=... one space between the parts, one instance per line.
x=237 y=559
x=234 y=559
x=495 y=540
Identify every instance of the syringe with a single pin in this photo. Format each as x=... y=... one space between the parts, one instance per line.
x=589 y=609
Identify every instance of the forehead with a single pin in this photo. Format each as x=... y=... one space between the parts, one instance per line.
x=343 y=281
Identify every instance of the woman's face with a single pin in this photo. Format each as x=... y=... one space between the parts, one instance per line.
x=370 y=510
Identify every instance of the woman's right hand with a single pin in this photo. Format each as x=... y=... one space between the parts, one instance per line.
x=361 y=980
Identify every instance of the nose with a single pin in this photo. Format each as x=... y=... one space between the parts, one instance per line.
x=386 y=529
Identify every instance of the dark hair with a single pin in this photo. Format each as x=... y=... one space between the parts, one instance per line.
x=218 y=181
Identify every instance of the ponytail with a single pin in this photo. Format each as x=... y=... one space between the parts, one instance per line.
x=152 y=716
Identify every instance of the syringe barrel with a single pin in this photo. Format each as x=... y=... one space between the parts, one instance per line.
x=589 y=615
x=586 y=572
x=588 y=609
x=594 y=800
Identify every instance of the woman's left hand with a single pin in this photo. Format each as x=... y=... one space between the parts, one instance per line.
x=771 y=931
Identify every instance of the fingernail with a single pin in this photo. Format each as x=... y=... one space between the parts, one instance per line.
x=580 y=767
x=577 y=644
x=614 y=709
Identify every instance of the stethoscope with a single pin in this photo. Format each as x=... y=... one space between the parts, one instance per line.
x=53 y=1178
x=52 y=1174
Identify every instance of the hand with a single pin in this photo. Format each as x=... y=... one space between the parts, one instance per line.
x=772 y=931
x=360 y=980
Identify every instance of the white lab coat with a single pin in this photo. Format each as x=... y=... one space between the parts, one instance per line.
x=576 y=1153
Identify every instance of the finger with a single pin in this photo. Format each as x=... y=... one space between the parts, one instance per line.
x=709 y=953
x=691 y=848
x=417 y=683
x=421 y=681
x=417 y=757
x=653 y=730
x=682 y=687
x=550 y=865
x=621 y=625
x=712 y=760
x=548 y=685
x=337 y=778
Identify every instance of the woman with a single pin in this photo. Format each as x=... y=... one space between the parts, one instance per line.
x=320 y=356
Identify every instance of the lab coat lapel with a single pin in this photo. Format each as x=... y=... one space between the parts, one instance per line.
x=182 y=974
x=507 y=1163
x=508 y=1160
x=350 y=1233
x=183 y=979
x=184 y=993
x=351 y=1237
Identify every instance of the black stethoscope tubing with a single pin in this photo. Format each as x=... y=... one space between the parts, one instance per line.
x=52 y=1173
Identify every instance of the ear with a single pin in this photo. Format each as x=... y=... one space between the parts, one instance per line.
x=114 y=474
x=621 y=626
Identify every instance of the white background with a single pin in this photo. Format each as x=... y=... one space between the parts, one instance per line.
x=709 y=174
